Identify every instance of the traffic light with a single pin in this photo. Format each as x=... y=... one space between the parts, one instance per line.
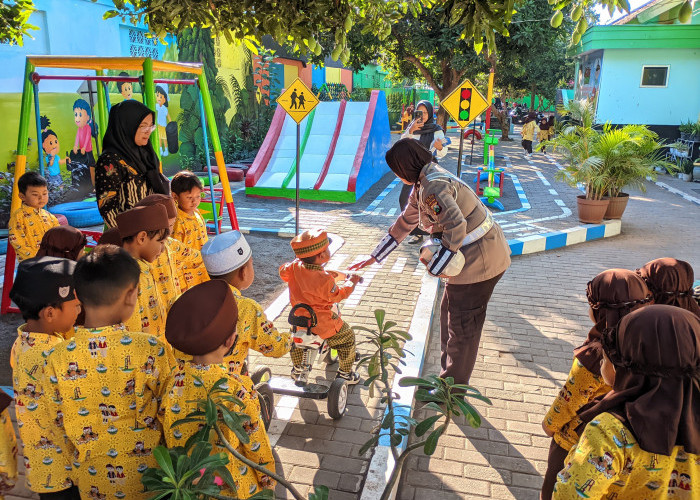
x=465 y=100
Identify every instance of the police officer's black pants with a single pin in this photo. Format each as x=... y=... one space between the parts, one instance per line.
x=462 y=316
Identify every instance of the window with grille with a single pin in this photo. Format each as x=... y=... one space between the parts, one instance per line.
x=140 y=44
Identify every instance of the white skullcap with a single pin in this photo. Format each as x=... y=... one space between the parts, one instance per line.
x=225 y=253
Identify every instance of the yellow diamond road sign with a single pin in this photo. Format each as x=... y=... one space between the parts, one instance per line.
x=297 y=100
x=465 y=103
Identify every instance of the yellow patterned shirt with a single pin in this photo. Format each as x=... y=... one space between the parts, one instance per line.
x=48 y=466
x=608 y=463
x=165 y=271
x=105 y=387
x=255 y=332
x=149 y=314
x=191 y=270
x=184 y=388
x=582 y=386
x=26 y=229
x=8 y=454
x=190 y=229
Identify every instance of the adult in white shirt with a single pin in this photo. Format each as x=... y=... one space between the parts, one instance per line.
x=423 y=129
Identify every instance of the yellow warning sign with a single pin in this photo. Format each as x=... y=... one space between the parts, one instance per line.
x=297 y=100
x=465 y=103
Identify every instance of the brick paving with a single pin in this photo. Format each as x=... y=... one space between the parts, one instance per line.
x=538 y=314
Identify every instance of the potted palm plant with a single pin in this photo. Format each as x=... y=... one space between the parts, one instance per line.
x=686 y=170
x=686 y=129
x=576 y=143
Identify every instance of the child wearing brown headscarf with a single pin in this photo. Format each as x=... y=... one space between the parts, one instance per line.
x=611 y=295
x=671 y=282
x=643 y=437
x=63 y=241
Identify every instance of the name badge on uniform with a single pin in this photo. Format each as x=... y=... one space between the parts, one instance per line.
x=433 y=204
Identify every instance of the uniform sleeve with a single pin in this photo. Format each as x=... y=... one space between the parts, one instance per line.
x=108 y=179
x=179 y=229
x=55 y=426
x=580 y=386
x=406 y=222
x=592 y=466
x=53 y=220
x=337 y=292
x=17 y=235
x=440 y=153
x=439 y=198
x=258 y=449
x=285 y=271
x=264 y=337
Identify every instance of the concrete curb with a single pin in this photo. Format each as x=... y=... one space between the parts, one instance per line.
x=682 y=194
x=567 y=237
x=382 y=463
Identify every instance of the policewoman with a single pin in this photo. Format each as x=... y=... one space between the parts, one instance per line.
x=467 y=247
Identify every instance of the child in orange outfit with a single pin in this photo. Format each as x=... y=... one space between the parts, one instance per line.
x=310 y=284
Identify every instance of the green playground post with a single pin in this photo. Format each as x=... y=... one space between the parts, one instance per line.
x=149 y=99
x=101 y=108
x=23 y=135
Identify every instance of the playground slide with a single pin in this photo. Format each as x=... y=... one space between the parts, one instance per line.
x=342 y=147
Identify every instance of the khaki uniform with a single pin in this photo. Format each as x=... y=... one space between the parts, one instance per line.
x=446 y=206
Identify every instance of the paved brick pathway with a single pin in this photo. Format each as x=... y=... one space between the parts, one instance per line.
x=537 y=315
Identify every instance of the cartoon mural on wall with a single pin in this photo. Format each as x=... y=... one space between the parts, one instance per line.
x=162 y=116
x=589 y=77
x=126 y=89
x=87 y=129
x=51 y=147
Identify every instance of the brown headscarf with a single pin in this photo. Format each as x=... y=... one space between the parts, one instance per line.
x=62 y=241
x=656 y=353
x=671 y=282
x=407 y=158
x=612 y=294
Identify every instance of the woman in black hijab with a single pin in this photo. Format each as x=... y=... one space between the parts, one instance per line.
x=128 y=169
x=423 y=129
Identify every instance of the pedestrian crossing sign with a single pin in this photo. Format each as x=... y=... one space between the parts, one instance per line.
x=465 y=103
x=298 y=100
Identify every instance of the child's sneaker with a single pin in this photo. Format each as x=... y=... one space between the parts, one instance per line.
x=300 y=376
x=351 y=378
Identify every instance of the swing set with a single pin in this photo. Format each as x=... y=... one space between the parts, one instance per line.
x=147 y=67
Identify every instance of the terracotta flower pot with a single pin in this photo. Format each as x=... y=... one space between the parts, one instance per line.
x=617 y=206
x=591 y=211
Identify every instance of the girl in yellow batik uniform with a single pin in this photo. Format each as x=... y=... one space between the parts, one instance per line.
x=8 y=447
x=643 y=438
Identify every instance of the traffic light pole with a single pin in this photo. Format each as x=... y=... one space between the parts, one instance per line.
x=473 y=133
x=297 y=176
x=459 y=158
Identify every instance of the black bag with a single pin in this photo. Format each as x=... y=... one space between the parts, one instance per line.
x=172 y=137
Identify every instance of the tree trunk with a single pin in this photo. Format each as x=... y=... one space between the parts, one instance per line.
x=442 y=117
x=503 y=119
x=532 y=97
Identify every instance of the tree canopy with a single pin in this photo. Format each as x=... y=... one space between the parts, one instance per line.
x=14 y=21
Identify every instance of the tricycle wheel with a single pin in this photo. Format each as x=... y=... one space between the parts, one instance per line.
x=337 y=398
x=261 y=374
x=267 y=403
x=331 y=357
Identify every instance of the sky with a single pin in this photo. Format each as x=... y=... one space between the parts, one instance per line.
x=605 y=17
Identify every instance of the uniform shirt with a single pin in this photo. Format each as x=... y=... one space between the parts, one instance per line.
x=48 y=468
x=183 y=390
x=528 y=131
x=191 y=269
x=105 y=385
x=255 y=332
x=542 y=135
x=8 y=454
x=608 y=464
x=311 y=285
x=26 y=229
x=582 y=386
x=450 y=207
x=119 y=187
x=166 y=275
x=190 y=229
x=149 y=313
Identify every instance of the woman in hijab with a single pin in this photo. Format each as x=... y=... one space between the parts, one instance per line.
x=63 y=241
x=611 y=295
x=528 y=132
x=423 y=129
x=467 y=247
x=643 y=438
x=671 y=282
x=128 y=168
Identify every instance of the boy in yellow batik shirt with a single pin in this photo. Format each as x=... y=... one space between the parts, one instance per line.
x=202 y=324
x=177 y=260
x=105 y=384
x=228 y=257
x=190 y=227
x=8 y=447
x=30 y=221
x=143 y=231
x=44 y=293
